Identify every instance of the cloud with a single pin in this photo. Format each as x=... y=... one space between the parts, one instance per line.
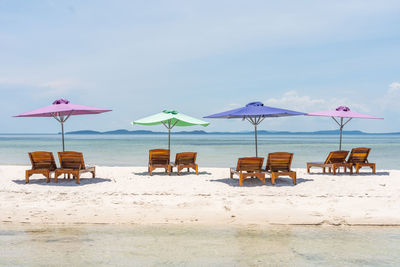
x=293 y=100
x=391 y=98
x=42 y=88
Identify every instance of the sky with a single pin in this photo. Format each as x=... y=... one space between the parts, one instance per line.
x=200 y=57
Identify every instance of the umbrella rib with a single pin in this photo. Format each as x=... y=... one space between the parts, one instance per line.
x=69 y=115
x=347 y=121
x=336 y=121
x=55 y=117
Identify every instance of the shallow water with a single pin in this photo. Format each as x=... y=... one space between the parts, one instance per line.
x=213 y=150
x=133 y=245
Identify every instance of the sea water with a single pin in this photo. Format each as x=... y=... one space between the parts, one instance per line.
x=213 y=150
x=183 y=245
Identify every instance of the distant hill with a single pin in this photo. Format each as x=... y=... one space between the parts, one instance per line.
x=260 y=132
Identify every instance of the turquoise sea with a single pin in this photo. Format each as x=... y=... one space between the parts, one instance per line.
x=182 y=245
x=213 y=150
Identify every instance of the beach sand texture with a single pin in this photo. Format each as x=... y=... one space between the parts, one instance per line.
x=129 y=195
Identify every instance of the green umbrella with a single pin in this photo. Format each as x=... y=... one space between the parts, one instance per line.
x=170 y=119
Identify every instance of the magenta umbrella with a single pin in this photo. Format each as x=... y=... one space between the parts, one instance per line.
x=61 y=110
x=339 y=114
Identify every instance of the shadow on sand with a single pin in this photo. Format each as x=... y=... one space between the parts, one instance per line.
x=63 y=182
x=348 y=174
x=161 y=173
x=253 y=182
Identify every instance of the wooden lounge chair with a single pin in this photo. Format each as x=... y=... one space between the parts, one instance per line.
x=359 y=158
x=159 y=158
x=185 y=160
x=42 y=163
x=249 y=167
x=278 y=164
x=72 y=163
x=333 y=162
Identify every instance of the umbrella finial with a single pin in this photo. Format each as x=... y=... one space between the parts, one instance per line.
x=174 y=112
x=61 y=101
x=254 y=104
x=342 y=108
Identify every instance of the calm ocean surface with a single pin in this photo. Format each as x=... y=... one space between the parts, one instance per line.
x=213 y=150
x=171 y=245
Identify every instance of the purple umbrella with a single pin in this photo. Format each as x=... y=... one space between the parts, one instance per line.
x=255 y=113
x=342 y=112
x=61 y=110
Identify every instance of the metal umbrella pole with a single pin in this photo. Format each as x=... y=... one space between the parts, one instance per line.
x=61 y=119
x=256 y=120
x=169 y=126
x=341 y=125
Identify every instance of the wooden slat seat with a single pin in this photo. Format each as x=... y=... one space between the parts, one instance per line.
x=278 y=164
x=185 y=160
x=358 y=158
x=159 y=158
x=249 y=167
x=333 y=162
x=72 y=163
x=42 y=163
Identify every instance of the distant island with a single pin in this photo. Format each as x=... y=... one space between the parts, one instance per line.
x=199 y=132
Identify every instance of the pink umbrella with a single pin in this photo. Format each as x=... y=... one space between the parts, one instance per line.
x=61 y=110
x=342 y=112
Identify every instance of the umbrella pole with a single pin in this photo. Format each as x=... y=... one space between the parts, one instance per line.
x=255 y=136
x=62 y=133
x=341 y=133
x=169 y=139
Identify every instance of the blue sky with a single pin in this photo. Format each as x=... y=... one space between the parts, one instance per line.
x=200 y=57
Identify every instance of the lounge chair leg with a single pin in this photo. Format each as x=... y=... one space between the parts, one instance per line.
x=273 y=178
x=294 y=177
x=197 y=169
x=56 y=177
x=27 y=177
x=240 y=179
x=373 y=169
x=77 y=179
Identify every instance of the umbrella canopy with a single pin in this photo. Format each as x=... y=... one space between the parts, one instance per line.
x=341 y=113
x=170 y=119
x=255 y=113
x=61 y=110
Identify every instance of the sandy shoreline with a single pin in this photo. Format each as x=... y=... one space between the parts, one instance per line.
x=127 y=195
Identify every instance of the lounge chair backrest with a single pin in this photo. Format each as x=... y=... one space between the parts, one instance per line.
x=359 y=155
x=71 y=160
x=185 y=158
x=159 y=156
x=42 y=160
x=279 y=161
x=249 y=164
x=337 y=157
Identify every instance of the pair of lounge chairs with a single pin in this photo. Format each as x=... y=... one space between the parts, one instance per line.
x=160 y=158
x=278 y=164
x=71 y=163
x=358 y=158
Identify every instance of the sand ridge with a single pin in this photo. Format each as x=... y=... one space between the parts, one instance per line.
x=121 y=195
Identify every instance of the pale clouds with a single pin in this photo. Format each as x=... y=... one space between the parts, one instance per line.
x=293 y=100
x=42 y=88
x=391 y=99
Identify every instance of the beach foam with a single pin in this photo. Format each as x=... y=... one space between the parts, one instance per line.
x=129 y=195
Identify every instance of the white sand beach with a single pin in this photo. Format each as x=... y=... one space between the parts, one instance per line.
x=129 y=195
